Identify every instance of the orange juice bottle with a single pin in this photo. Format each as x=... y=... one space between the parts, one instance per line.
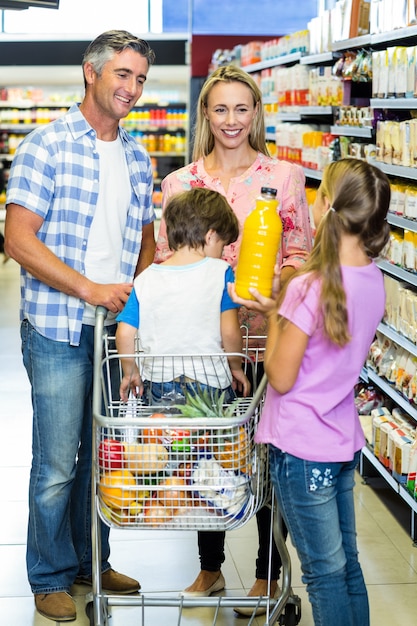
x=260 y=244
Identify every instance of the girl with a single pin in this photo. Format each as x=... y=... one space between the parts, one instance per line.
x=319 y=333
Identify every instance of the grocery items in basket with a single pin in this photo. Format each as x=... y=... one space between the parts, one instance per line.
x=203 y=472
x=225 y=490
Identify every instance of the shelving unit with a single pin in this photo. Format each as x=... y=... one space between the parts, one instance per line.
x=405 y=36
x=161 y=127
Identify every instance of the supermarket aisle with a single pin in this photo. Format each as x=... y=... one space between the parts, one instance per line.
x=165 y=562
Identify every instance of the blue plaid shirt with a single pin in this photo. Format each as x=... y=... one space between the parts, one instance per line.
x=55 y=174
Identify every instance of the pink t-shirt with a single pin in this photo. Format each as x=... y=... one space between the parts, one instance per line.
x=287 y=178
x=317 y=419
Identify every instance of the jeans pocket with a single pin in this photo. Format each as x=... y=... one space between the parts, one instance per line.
x=319 y=476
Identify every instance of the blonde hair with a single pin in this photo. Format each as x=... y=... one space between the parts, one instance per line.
x=203 y=137
x=359 y=196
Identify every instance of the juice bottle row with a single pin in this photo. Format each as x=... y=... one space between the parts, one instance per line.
x=35 y=115
x=164 y=142
x=142 y=119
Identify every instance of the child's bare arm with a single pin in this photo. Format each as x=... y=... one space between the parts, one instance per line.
x=125 y=344
x=232 y=342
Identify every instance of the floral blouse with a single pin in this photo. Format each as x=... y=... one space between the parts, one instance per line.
x=243 y=190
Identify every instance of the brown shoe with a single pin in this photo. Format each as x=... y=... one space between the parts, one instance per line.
x=112 y=581
x=59 y=607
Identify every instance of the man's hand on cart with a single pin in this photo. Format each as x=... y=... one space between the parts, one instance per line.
x=112 y=296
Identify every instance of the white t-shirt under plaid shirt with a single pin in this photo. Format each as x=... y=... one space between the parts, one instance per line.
x=55 y=174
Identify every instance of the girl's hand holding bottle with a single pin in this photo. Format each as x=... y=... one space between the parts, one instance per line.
x=261 y=304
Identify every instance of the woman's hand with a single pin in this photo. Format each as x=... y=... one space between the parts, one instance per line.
x=262 y=304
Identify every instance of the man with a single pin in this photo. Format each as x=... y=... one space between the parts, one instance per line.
x=80 y=223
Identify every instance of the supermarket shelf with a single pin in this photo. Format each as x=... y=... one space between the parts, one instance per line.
x=316 y=110
x=352 y=131
x=399 y=489
x=30 y=104
x=396 y=170
x=160 y=153
x=320 y=59
x=393 y=103
x=392 y=393
x=402 y=222
x=347 y=44
x=286 y=59
x=316 y=174
x=394 y=35
x=398 y=272
x=20 y=128
x=400 y=340
x=304 y=111
x=289 y=117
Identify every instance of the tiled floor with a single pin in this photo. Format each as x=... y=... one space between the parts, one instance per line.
x=165 y=562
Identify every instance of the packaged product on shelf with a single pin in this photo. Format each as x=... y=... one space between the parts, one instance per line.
x=404 y=156
x=392 y=290
x=410 y=202
x=379 y=416
x=408 y=258
x=400 y=455
x=400 y=69
x=390 y=134
x=411 y=71
x=384 y=71
x=411 y=11
x=385 y=429
x=412 y=470
x=395 y=250
x=396 y=373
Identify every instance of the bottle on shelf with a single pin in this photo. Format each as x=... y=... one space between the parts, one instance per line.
x=260 y=244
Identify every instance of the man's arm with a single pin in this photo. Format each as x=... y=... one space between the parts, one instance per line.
x=23 y=246
x=147 y=249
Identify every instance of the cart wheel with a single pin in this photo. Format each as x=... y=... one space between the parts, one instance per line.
x=89 y=610
x=291 y=615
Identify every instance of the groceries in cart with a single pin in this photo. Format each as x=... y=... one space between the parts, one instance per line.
x=192 y=464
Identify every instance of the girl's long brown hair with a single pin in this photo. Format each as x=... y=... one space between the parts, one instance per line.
x=359 y=194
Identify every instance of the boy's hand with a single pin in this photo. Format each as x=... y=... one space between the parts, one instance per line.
x=241 y=381
x=131 y=383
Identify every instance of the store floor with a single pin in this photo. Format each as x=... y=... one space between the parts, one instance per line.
x=166 y=562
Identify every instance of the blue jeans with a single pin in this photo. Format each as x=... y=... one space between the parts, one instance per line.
x=59 y=531
x=173 y=392
x=316 y=501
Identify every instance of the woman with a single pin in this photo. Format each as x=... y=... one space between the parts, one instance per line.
x=231 y=157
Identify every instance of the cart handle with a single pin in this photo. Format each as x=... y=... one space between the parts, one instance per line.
x=101 y=314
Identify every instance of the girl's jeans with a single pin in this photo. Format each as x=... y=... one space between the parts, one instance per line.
x=316 y=501
x=59 y=533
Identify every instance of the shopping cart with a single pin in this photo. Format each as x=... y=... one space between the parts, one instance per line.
x=154 y=468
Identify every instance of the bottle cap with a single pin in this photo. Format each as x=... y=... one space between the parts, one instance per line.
x=270 y=191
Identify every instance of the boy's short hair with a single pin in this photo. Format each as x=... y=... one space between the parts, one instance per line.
x=191 y=214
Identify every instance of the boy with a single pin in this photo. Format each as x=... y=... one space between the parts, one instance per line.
x=182 y=305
